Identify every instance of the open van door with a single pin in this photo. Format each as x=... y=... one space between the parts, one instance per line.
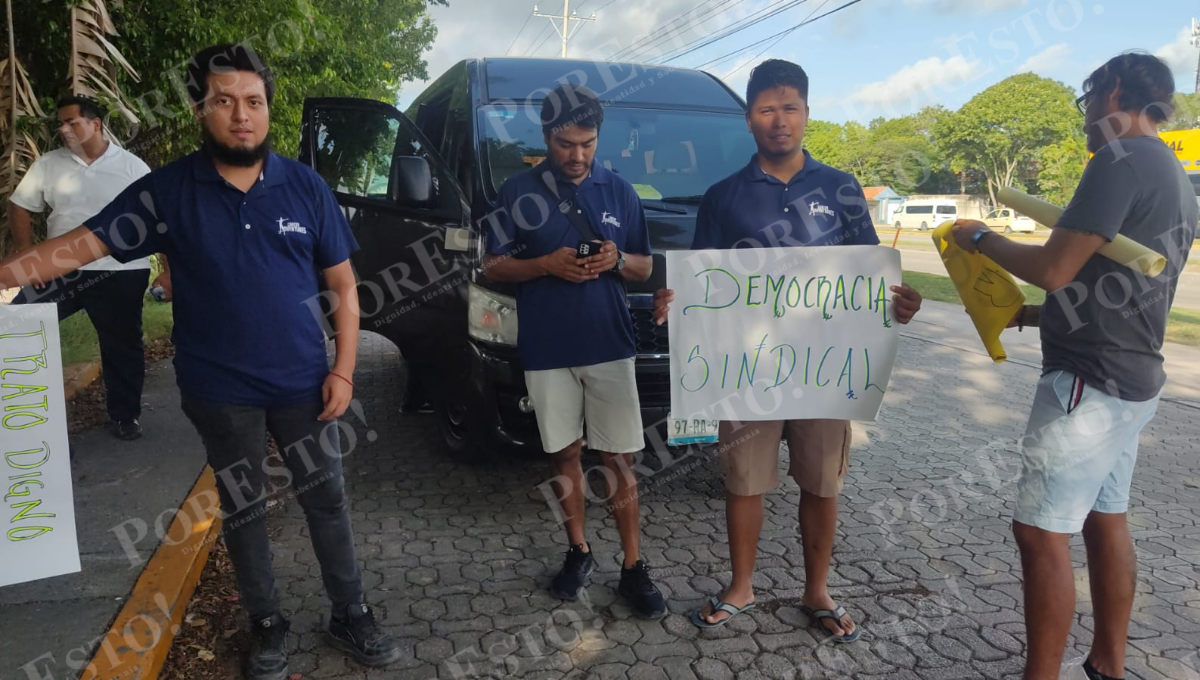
x=410 y=219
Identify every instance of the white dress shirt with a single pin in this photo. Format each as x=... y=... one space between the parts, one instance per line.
x=75 y=191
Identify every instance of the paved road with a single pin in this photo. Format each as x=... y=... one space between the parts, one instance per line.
x=457 y=559
x=915 y=258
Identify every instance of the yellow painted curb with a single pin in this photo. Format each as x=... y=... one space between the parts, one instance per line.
x=136 y=646
x=78 y=376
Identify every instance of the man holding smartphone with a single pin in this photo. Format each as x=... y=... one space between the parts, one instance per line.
x=569 y=232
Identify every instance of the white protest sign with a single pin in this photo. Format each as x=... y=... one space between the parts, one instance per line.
x=782 y=333
x=37 y=533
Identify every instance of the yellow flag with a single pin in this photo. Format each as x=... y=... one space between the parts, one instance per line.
x=990 y=294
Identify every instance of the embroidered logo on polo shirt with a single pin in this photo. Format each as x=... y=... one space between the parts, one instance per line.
x=286 y=227
x=608 y=218
x=816 y=208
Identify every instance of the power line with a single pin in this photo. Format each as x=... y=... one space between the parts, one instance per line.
x=518 y=35
x=528 y=51
x=778 y=35
x=534 y=51
x=659 y=35
x=777 y=41
x=696 y=20
x=752 y=20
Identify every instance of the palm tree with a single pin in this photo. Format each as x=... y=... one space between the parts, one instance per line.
x=20 y=118
x=91 y=70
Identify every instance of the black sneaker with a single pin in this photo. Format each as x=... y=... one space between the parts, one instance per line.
x=268 y=659
x=356 y=633
x=1094 y=674
x=128 y=430
x=422 y=407
x=640 y=591
x=578 y=566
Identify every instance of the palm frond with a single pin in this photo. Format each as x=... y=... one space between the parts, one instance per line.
x=21 y=120
x=94 y=60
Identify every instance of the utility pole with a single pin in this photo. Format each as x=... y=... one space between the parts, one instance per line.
x=567 y=17
x=1196 y=43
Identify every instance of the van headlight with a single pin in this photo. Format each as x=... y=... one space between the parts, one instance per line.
x=491 y=317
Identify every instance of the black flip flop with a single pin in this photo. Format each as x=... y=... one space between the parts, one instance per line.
x=836 y=614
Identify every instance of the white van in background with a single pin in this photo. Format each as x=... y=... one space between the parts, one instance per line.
x=924 y=214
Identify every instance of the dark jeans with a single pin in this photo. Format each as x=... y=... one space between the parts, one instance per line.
x=235 y=440
x=113 y=301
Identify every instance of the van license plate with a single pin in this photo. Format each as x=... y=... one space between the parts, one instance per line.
x=684 y=431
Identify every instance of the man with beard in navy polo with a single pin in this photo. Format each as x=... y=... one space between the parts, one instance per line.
x=248 y=234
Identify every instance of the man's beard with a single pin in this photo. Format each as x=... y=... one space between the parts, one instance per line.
x=235 y=156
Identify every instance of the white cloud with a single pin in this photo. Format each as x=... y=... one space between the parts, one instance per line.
x=915 y=85
x=1179 y=53
x=485 y=28
x=1047 y=60
x=966 y=6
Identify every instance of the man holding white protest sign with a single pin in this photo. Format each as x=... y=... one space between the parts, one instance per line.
x=783 y=198
x=1102 y=329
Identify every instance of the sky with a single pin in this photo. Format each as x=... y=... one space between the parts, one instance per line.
x=875 y=58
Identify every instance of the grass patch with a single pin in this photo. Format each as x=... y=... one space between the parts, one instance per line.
x=1183 y=325
x=941 y=288
x=79 y=341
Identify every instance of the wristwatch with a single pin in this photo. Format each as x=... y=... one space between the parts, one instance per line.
x=978 y=236
x=620 y=262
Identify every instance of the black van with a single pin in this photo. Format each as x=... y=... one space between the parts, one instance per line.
x=418 y=189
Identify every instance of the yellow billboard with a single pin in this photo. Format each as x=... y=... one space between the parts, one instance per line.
x=1186 y=145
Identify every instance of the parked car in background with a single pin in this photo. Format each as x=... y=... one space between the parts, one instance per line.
x=419 y=188
x=924 y=214
x=1008 y=220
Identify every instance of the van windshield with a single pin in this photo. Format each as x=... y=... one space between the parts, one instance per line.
x=666 y=155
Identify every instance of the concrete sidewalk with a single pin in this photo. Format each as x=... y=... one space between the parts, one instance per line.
x=55 y=623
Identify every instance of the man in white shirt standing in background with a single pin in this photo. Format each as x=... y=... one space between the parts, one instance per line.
x=76 y=182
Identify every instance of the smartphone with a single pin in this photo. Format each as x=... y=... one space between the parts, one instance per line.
x=588 y=248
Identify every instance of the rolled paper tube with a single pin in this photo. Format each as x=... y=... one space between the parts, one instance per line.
x=1121 y=249
x=989 y=293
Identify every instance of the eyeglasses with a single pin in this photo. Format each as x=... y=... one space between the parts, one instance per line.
x=1082 y=102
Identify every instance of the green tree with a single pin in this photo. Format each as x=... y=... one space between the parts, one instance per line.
x=1187 y=112
x=1003 y=129
x=353 y=48
x=901 y=153
x=824 y=140
x=1061 y=170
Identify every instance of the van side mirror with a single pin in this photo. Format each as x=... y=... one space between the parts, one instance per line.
x=411 y=182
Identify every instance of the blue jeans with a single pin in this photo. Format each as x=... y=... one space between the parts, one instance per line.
x=235 y=441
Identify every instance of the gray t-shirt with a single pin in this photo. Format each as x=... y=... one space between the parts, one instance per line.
x=1107 y=326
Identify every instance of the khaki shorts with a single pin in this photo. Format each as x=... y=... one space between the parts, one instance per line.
x=819 y=452
x=604 y=396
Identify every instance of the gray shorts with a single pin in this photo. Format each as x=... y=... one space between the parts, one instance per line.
x=604 y=396
x=1078 y=453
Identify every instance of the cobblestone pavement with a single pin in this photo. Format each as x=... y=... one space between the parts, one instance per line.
x=457 y=559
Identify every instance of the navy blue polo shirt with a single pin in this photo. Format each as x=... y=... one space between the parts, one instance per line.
x=562 y=324
x=819 y=206
x=244 y=273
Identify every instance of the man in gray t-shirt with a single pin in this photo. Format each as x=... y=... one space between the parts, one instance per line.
x=1107 y=325
x=1102 y=334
